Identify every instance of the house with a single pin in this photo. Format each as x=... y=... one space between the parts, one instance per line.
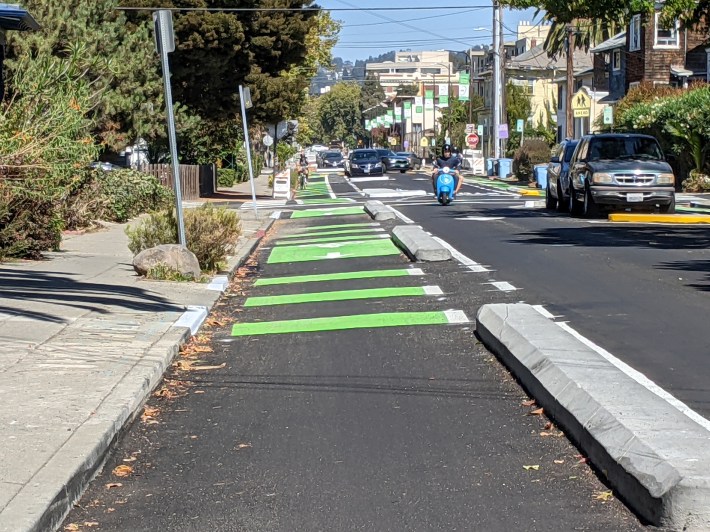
x=651 y=52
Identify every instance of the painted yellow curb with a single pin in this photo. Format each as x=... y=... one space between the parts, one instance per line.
x=530 y=192
x=660 y=218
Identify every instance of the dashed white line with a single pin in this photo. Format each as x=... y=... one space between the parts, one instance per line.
x=503 y=286
x=463 y=259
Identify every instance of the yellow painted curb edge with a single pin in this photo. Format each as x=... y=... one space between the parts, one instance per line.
x=660 y=218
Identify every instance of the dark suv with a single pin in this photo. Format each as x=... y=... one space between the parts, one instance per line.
x=558 y=175
x=619 y=171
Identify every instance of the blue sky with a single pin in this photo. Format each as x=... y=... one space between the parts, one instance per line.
x=370 y=33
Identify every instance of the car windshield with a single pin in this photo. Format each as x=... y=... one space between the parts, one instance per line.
x=332 y=156
x=364 y=155
x=404 y=154
x=625 y=148
x=569 y=150
x=384 y=152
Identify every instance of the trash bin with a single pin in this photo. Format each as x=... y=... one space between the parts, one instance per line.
x=505 y=167
x=490 y=166
x=540 y=174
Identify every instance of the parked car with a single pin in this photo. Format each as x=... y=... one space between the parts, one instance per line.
x=415 y=162
x=331 y=159
x=364 y=163
x=557 y=193
x=106 y=167
x=392 y=161
x=620 y=171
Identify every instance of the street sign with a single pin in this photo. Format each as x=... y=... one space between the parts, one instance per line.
x=480 y=130
x=424 y=142
x=581 y=104
x=470 y=128
x=503 y=131
x=406 y=144
x=520 y=125
x=609 y=115
x=472 y=140
x=164 y=37
x=267 y=141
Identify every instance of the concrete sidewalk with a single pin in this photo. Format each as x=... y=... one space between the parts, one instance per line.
x=83 y=342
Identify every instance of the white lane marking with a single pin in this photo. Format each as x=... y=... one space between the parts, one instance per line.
x=276 y=215
x=219 y=283
x=481 y=218
x=433 y=290
x=392 y=193
x=463 y=259
x=456 y=316
x=330 y=189
x=402 y=216
x=335 y=255
x=640 y=378
x=542 y=310
x=192 y=318
x=365 y=179
x=415 y=271
x=503 y=286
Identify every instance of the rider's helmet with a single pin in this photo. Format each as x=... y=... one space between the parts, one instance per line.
x=446 y=148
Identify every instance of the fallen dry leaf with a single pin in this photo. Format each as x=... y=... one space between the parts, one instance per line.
x=242 y=446
x=91 y=524
x=188 y=365
x=545 y=434
x=71 y=527
x=531 y=467
x=603 y=495
x=559 y=461
x=529 y=402
x=113 y=485
x=122 y=470
x=536 y=412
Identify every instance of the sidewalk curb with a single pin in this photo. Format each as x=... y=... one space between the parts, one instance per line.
x=659 y=469
x=44 y=503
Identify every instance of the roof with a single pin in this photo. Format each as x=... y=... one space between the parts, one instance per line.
x=537 y=59
x=617 y=41
x=13 y=17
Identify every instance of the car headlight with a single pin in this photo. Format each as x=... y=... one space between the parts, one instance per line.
x=378 y=165
x=665 y=179
x=601 y=178
x=354 y=165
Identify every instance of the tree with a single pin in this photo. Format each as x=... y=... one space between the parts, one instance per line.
x=372 y=93
x=455 y=117
x=340 y=115
x=115 y=56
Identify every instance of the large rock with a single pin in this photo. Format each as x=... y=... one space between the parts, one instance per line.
x=174 y=256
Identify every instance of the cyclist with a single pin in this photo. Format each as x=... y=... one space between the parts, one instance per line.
x=302 y=168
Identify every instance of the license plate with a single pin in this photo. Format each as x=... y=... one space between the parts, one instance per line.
x=633 y=197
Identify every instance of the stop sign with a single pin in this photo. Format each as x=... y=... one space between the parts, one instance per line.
x=472 y=140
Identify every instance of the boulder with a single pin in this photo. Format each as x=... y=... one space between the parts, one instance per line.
x=174 y=256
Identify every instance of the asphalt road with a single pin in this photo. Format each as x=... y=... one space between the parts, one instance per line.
x=348 y=403
x=638 y=291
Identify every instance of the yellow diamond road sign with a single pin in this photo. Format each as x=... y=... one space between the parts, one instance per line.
x=581 y=104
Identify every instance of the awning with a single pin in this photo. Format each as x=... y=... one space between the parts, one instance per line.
x=681 y=72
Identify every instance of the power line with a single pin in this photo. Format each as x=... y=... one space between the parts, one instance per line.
x=413 y=19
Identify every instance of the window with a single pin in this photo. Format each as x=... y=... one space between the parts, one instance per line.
x=635 y=33
x=616 y=60
x=666 y=37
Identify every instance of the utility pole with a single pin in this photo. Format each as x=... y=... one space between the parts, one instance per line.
x=569 y=119
x=496 y=79
x=503 y=95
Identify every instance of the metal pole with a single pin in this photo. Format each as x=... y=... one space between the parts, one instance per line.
x=248 y=148
x=496 y=79
x=570 y=82
x=173 y=144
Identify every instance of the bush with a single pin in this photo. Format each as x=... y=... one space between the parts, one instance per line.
x=226 y=177
x=211 y=233
x=532 y=152
x=696 y=182
x=114 y=196
x=29 y=222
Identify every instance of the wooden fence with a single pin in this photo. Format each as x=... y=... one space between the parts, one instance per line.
x=195 y=180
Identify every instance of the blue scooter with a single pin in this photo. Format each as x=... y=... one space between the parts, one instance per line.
x=445 y=185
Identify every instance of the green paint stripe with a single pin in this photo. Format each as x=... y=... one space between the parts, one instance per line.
x=339 y=226
x=336 y=232
x=326 y=201
x=338 y=295
x=314 y=213
x=341 y=276
x=334 y=250
x=358 y=321
x=352 y=238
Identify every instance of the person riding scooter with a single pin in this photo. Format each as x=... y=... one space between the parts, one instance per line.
x=450 y=160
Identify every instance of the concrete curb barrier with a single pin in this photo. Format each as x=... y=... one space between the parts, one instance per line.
x=659 y=218
x=379 y=211
x=418 y=244
x=656 y=457
x=43 y=504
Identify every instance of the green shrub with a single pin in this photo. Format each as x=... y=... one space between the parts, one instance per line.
x=696 y=182
x=211 y=233
x=29 y=222
x=226 y=177
x=532 y=152
x=114 y=196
